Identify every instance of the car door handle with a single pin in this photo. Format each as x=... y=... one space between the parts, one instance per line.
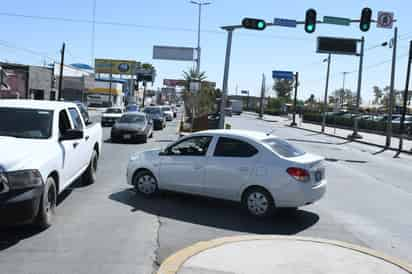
x=75 y=144
x=87 y=138
x=243 y=169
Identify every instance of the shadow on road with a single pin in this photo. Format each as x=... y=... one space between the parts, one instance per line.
x=10 y=236
x=214 y=213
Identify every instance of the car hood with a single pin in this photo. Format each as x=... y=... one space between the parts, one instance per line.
x=147 y=155
x=112 y=115
x=129 y=126
x=17 y=153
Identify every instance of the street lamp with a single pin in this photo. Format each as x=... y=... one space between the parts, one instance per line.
x=199 y=4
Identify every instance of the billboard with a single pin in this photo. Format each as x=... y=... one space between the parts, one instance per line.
x=125 y=67
x=173 y=53
x=333 y=45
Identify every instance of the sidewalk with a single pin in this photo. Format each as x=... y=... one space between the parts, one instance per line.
x=279 y=254
x=367 y=138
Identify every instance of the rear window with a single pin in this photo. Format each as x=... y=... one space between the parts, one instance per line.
x=128 y=118
x=283 y=148
x=114 y=110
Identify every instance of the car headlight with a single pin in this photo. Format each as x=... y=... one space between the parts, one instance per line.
x=24 y=179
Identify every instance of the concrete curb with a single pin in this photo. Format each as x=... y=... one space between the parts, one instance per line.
x=352 y=140
x=174 y=262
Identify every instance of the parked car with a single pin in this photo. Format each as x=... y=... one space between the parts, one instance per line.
x=156 y=115
x=111 y=116
x=45 y=146
x=132 y=126
x=259 y=170
x=167 y=111
x=132 y=108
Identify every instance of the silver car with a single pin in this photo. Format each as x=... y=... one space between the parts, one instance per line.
x=132 y=126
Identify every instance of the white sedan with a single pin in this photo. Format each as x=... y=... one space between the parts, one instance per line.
x=256 y=169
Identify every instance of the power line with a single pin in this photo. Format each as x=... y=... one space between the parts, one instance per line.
x=133 y=25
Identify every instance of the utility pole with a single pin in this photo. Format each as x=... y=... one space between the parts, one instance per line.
x=325 y=100
x=355 y=134
x=225 y=77
x=61 y=71
x=343 y=88
x=93 y=31
x=262 y=95
x=110 y=83
x=405 y=101
x=391 y=92
x=144 y=93
x=295 y=100
x=199 y=4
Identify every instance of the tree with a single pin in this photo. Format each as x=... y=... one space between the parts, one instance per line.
x=378 y=94
x=311 y=102
x=283 y=88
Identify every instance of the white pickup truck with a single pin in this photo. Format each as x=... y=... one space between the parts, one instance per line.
x=44 y=147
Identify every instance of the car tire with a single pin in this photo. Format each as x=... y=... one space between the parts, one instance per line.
x=145 y=183
x=144 y=139
x=48 y=202
x=258 y=202
x=151 y=134
x=89 y=177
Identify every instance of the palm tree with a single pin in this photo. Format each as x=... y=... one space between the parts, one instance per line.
x=188 y=96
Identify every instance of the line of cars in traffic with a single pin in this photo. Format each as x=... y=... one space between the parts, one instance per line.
x=135 y=124
x=46 y=146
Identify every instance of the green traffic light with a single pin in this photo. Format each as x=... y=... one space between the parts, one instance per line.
x=261 y=25
x=365 y=26
x=309 y=27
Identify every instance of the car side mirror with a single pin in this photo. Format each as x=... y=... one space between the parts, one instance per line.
x=72 y=134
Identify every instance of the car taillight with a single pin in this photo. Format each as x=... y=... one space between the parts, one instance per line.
x=299 y=174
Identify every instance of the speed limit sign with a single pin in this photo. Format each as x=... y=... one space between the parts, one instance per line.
x=385 y=20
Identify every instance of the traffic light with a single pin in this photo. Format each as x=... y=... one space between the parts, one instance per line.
x=252 y=23
x=310 y=21
x=365 y=21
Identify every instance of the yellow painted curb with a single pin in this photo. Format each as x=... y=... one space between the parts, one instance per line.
x=173 y=263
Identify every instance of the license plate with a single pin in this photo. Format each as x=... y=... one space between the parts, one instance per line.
x=127 y=136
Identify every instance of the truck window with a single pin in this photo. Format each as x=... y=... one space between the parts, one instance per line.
x=64 y=122
x=77 y=120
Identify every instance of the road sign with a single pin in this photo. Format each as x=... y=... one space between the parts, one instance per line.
x=337 y=45
x=336 y=20
x=279 y=74
x=385 y=20
x=285 y=22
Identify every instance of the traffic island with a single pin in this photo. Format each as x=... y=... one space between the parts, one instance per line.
x=280 y=254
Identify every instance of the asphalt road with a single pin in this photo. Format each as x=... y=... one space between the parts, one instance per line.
x=107 y=228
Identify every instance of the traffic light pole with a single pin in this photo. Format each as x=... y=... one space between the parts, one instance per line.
x=325 y=101
x=225 y=76
x=405 y=101
x=355 y=134
x=295 y=99
x=391 y=91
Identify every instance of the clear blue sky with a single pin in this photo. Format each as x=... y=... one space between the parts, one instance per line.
x=253 y=52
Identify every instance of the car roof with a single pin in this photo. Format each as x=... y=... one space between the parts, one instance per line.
x=249 y=134
x=35 y=104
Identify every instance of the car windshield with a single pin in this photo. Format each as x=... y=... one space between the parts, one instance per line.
x=132 y=108
x=166 y=108
x=283 y=148
x=114 y=110
x=152 y=110
x=26 y=123
x=130 y=118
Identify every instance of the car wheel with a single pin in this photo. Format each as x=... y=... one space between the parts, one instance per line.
x=258 y=202
x=47 y=204
x=90 y=175
x=145 y=183
x=144 y=139
x=151 y=134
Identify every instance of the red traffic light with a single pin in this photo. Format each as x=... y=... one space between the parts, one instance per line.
x=253 y=23
x=366 y=18
x=310 y=21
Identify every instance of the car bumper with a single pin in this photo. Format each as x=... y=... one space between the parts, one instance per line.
x=299 y=194
x=120 y=135
x=20 y=206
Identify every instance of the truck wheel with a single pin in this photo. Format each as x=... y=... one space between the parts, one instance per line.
x=47 y=204
x=89 y=177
